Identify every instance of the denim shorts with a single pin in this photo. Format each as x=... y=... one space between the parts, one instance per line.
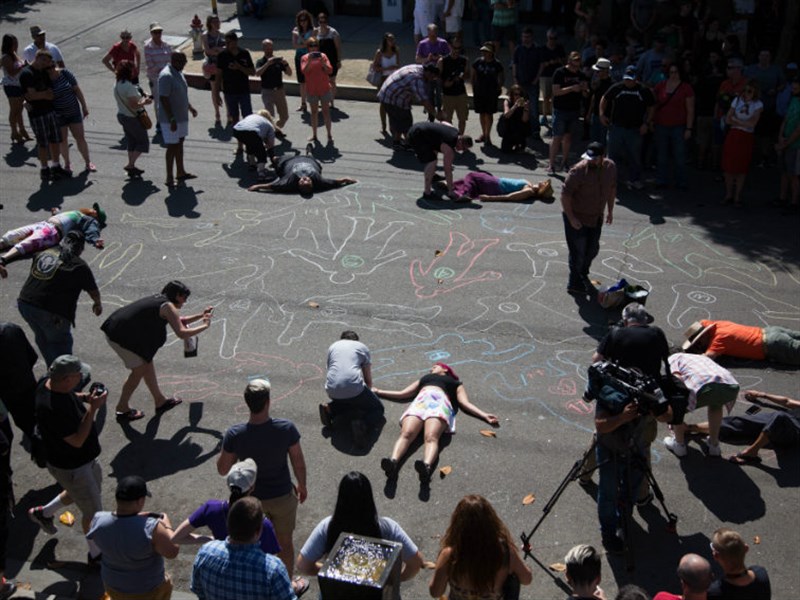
x=564 y=121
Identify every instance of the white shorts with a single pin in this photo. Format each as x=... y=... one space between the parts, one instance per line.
x=421 y=21
x=173 y=137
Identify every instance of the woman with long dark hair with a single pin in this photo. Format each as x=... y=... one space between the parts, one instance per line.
x=303 y=30
x=137 y=331
x=12 y=65
x=355 y=512
x=385 y=62
x=477 y=555
x=437 y=398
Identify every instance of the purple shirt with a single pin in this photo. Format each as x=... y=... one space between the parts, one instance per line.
x=214 y=515
x=426 y=47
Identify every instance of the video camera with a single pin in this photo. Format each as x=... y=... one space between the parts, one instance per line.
x=637 y=387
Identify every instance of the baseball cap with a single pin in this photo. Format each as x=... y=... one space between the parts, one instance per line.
x=487 y=48
x=66 y=364
x=36 y=30
x=101 y=215
x=156 y=27
x=132 y=487
x=243 y=475
x=630 y=73
x=594 y=150
x=601 y=64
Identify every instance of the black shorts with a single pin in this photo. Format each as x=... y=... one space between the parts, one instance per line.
x=253 y=144
x=422 y=148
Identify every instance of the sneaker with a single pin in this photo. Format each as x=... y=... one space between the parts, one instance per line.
x=675 y=447
x=36 y=514
x=713 y=449
x=424 y=470
x=325 y=415
x=389 y=467
x=7 y=588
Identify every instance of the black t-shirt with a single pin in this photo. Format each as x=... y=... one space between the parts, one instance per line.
x=55 y=285
x=138 y=327
x=58 y=416
x=40 y=81
x=233 y=81
x=447 y=384
x=291 y=168
x=598 y=92
x=760 y=589
x=644 y=347
x=566 y=78
x=272 y=77
x=451 y=68
x=17 y=358
x=626 y=107
x=547 y=54
x=432 y=135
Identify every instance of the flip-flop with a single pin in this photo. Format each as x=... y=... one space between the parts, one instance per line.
x=130 y=415
x=300 y=586
x=744 y=459
x=168 y=405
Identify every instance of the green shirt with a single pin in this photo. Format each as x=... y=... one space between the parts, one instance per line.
x=792 y=122
x=503 y=17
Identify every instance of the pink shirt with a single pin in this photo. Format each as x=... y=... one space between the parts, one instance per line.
x=316 y=71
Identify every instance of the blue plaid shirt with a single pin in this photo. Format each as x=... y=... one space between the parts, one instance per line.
x=225 y=571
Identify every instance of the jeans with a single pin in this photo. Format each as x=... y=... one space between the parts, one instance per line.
x=53 y=333
x=583 y=245
x=782 y=345
x=618 y=474
x=670 y=145
x=625 y=144
x=366 y=402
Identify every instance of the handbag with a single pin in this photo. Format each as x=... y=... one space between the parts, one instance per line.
x=144 y=119
x=373 y=76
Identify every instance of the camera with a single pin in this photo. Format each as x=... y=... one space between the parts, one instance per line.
x=634 y=385
x=97 y=389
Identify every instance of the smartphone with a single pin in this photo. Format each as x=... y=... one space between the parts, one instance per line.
x=753 y=410
x=316 y=54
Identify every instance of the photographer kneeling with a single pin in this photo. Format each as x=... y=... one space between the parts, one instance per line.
x=625 y=398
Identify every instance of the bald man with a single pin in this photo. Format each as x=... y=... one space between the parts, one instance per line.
x=694 y=571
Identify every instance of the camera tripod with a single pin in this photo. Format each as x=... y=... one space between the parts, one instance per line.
x=633 y=456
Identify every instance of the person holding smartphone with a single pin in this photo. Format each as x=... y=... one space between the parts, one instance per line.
x=317 y=70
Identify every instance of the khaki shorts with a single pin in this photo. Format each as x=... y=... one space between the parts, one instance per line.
x=456 y=104
x=162 y=592
x=84 y=486
x=546 y=83
x=282 y=511
x=130 y=359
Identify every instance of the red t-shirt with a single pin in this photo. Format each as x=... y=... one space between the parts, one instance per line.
x=667 y=596
x=118 y=55
x=671 y=109
x=732 y=339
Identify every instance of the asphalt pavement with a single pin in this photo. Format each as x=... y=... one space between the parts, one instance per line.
x=481 y=287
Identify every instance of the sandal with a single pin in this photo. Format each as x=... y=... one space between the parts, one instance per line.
x=744 y=459
x=168 y=405
x=299 y=586
x=130 y=415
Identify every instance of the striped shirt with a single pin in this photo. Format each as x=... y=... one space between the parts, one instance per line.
x=403 y=86
x=697 y=371
x=64 y=99
x=156 y=58
x=223 y=571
